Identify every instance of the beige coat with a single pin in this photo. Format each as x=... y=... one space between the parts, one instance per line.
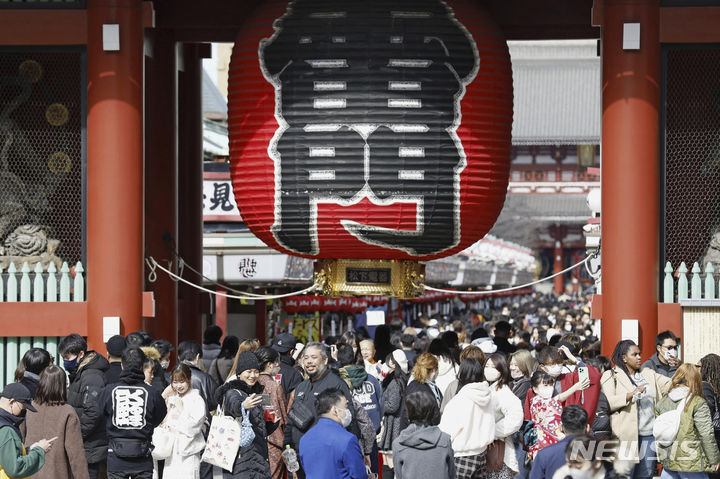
x=623 y=413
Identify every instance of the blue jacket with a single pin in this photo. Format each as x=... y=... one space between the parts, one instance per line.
x=327 y=450
x=549 y=459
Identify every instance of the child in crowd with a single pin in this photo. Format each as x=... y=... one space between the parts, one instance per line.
x=545 y=412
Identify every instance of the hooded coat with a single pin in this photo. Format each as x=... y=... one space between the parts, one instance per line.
x=694 y=448
x=423 y=451
x=86 y=383
x=469 y=419
x=252 y=460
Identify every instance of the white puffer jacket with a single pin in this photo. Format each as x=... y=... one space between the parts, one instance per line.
x=508 y=420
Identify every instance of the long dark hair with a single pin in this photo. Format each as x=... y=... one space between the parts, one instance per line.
x=51 y=388
x=471 y=371
x=266 y=355
x=439 y=348
x=621 y=350
x=229 y=347
x=501 y=364
x=35 y=360
x=710 y=371
x=397 y=375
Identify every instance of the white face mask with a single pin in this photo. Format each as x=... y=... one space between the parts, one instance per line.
x=346 y=418
x=581 y=473
x=671 y=353
x=164 y=364
x=491 y=375
x=545 y=392
x=555 y=370
x=568 y=327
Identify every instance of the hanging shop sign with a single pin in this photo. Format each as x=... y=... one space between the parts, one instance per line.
x=372 y=130
x=219 y=200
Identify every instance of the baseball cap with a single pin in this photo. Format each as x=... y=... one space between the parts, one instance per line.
x=284 y=342
x=19 y=393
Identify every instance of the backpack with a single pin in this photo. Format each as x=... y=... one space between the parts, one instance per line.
x=667 y=425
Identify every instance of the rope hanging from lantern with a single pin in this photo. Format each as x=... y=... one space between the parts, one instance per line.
x=478 y=293
x=152 y=264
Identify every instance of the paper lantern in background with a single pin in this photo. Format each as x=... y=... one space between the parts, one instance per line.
x=370 y=130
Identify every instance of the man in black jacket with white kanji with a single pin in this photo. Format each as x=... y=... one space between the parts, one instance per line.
x=132 y=411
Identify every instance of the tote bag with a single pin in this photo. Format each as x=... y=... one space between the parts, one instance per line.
x=225 y=439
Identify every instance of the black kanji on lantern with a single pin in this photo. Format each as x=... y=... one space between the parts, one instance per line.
x=368 y=101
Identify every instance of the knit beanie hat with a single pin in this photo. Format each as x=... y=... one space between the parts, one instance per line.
x=116 y=345
x=247 y=360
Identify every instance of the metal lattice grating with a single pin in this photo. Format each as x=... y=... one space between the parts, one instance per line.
x=692 y=153
x=41 y=154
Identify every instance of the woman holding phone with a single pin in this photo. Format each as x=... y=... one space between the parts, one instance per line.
x=245 y=394
x=57 y=419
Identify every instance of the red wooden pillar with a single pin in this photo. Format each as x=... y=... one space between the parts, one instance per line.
x=630 y=172
x=114 y=168
x=221 y=309
x=559 y=281
x=190 y=326
x=161 y=178
x=260 y=318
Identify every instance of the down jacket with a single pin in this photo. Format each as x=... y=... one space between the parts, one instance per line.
x=694 y=448
x=86 y=383
x=252 y=460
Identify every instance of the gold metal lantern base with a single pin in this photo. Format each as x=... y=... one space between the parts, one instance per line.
x=370 y=277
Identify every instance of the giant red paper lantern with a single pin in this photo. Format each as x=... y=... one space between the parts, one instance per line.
x=370 y=129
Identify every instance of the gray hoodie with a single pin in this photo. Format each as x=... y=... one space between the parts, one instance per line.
x=423 y=451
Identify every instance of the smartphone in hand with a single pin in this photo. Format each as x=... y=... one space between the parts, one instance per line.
x=583 y=373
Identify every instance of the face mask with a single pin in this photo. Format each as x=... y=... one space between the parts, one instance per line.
x=671 y=353
x=517 y=374
x=23 y=413
x=71 y=365
x=568 y=327
x=492 y=374
x=164 y=364
x=554 y=370
x=346 y=418
x=581 y=473
x=545 y=391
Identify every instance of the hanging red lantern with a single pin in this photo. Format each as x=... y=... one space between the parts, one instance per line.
x=370 y=130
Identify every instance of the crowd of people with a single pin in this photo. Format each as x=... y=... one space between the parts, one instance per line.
x=520 y=392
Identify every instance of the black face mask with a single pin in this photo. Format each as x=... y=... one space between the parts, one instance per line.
x=23 y=413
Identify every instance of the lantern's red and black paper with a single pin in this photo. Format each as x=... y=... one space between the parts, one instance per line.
x=375 y=129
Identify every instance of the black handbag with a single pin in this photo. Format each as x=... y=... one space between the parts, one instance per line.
x=301 y=416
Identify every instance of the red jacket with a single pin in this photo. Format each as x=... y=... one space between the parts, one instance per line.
x=588 y=398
